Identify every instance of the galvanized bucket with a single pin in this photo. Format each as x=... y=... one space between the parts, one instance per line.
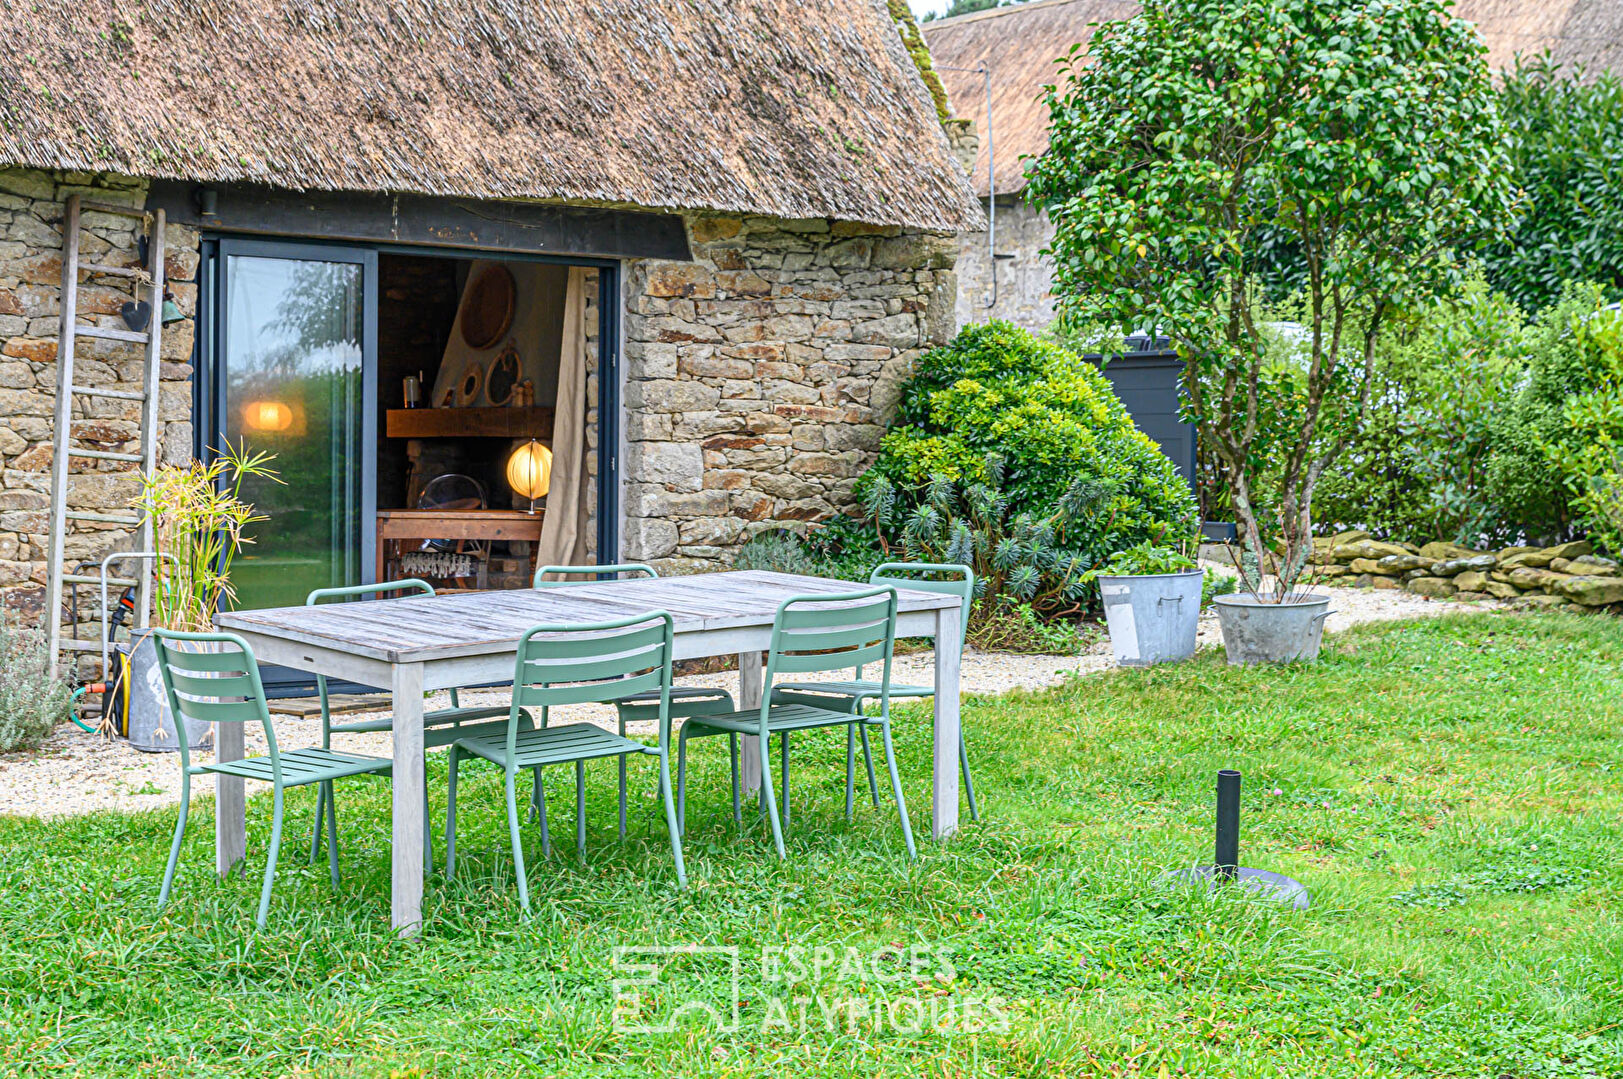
x=1258 y=630
x=151 y=724
x=1152 y=617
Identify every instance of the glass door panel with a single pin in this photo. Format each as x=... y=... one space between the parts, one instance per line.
x=293 y=382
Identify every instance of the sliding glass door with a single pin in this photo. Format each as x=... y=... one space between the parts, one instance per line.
x=294 y=378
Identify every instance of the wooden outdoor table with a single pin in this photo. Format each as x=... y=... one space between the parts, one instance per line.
x=439 y=642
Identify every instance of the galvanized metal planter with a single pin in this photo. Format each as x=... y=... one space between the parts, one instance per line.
x=1258 y=630
x=1153 y=616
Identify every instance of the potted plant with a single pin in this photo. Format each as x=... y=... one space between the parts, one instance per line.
x=1325 y=157
x=1152 y=600
x=198 y=516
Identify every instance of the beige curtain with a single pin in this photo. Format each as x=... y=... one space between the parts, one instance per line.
x=563 y=529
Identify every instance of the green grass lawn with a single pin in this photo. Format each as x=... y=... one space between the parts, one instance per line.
x=1451 y=791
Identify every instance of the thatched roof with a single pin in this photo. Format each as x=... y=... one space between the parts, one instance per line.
x=752 y=106
x=1577 y=33
x=1021 y=42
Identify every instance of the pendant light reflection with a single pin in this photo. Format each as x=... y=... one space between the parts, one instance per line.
x=270 y=416
x=529 y=471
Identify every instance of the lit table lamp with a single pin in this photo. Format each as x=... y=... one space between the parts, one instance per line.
x=529 y=471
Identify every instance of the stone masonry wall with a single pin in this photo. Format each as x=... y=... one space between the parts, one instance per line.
x=1024 y=283
x=31 y=207
x=1567 y=575
x=759 y=377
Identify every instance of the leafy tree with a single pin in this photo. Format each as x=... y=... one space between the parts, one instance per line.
x=1565 y=133
x=1216 y=151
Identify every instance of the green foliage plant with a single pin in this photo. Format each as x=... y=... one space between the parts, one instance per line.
x=778 y=551
x=1050 y=421
x=1565 y=359
x=32 y=700
x=1564 y=129
x=198 y=517
x=1417 y=467
x=1206 y=154
x=1587 y=451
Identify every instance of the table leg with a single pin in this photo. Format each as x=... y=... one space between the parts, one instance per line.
x=944 y=787
x=409 y=817
x=749 y=696
x=230 y=802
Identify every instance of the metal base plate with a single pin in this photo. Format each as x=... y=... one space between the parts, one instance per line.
x=1261 y=883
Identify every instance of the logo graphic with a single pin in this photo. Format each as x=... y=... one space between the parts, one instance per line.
x=658 y=988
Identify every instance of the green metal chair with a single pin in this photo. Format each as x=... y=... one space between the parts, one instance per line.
x=441 y=726
x=946 y=578
x=685 y=700
x=221 y=685
x=810 y=634
x=576 y=664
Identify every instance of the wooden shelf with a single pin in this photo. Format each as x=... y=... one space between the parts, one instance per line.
x=535 y=422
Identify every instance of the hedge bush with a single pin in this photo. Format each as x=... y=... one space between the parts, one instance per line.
x=1565 y=138
x=1000 y=414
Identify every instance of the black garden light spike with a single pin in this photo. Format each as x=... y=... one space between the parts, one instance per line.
x=1227 y=861
x=1226 y=868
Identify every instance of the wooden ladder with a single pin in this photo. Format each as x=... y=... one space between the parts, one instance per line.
x=66 y=390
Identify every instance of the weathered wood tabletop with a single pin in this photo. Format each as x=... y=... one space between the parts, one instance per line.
x=420 y=643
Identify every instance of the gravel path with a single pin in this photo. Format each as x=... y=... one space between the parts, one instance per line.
x=75 y=772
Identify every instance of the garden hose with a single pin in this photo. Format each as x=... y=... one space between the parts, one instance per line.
x=73 y=706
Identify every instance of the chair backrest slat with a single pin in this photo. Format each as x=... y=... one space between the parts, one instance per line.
x=814 y=662
x=587 y=692
x=225 y=685
x=820 y=640
x=548 y=670
x=558 y=646
x=960 y=582
x=593 y=663
x=415 y=585
x=212 y=678
x=834 y=633
x=630 y=569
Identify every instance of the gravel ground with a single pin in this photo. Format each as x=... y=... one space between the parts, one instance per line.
x=75 y=772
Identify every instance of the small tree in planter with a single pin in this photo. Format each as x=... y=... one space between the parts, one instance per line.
x=1214 y=153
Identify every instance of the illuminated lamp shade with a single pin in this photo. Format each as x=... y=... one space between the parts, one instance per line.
x=529 y=471
x=274 y=416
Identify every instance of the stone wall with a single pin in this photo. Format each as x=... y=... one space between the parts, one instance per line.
x=759 y=377
x=1570 y=574
x=1024 y=282
x=31 y=207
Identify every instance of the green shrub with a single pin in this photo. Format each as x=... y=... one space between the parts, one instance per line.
x=780 y=551
x=846 y=548
x=1524 y=485
x=1587 y=451
x=1015 y=627
x=1565 y=139
x=1050 y=421
x=31 y=704
x=1441 y=385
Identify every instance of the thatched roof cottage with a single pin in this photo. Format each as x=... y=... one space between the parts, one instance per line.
x=704 y=239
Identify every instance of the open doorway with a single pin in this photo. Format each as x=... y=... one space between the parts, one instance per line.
x=432 y=413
